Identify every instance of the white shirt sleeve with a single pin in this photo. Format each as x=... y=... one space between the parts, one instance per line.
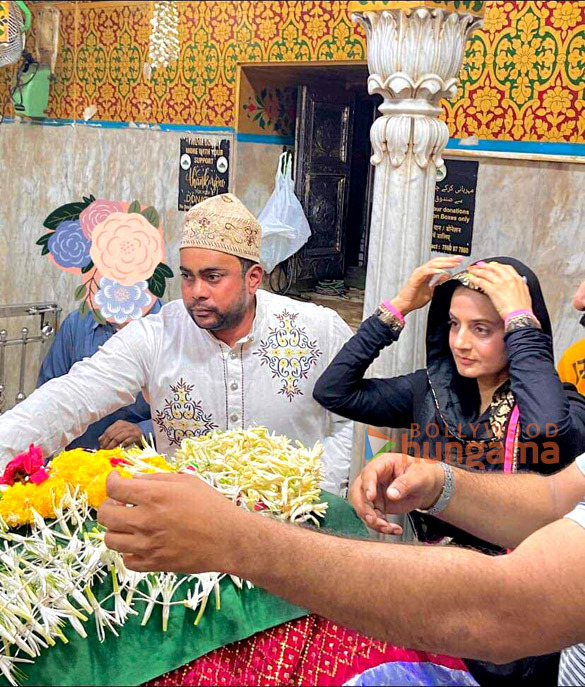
x=338 y=443
x=337 y=456
x=581 y=463
x=62 y=409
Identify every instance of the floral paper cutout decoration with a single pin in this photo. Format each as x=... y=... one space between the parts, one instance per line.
x=118 y=250
x=126 y=248
x=96 y=213
x=115 y=299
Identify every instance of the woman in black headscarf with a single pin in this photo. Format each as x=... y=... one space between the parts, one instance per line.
x=489 y=398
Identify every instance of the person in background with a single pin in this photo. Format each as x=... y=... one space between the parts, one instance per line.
x=571 y=366
x=79 y=338
x=480 y=400
x=114 y=247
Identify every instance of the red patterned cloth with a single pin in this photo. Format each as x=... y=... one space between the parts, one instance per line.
x=308 y=651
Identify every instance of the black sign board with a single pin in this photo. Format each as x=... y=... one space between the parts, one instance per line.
x=455 y=208
x=204 y=170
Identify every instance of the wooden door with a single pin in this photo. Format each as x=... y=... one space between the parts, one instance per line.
x=324 y=134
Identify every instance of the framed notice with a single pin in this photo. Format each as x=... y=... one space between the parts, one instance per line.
x=204 y=170
x=455 y=208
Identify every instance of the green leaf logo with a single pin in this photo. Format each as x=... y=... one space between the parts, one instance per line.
x=388 y=447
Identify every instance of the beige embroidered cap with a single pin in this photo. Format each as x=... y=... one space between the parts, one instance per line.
x=225 y=224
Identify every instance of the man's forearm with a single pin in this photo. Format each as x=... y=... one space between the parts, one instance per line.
x=63 y=408
x=505 y=509
x=443 y=600
x=439 y=599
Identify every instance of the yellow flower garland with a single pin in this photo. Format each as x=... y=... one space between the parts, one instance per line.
x=76 y=468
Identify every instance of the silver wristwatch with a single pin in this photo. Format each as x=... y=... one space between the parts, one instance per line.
x=446 y=493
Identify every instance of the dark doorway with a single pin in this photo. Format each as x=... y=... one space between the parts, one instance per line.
x=333 y=180
x=323 y=147
x=333 y=174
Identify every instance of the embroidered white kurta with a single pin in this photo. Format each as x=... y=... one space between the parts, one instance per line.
x=195 y=383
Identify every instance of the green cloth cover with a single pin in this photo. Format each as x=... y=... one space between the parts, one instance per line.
x=142 y=653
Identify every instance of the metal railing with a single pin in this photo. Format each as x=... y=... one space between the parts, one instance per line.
x=48 y=324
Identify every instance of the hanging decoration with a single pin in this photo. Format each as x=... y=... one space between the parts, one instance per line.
x=164 y=38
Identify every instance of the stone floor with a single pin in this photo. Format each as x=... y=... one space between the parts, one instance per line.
x=350 y=309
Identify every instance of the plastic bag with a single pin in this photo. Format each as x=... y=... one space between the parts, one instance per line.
x=285 y=229
x=407 y=673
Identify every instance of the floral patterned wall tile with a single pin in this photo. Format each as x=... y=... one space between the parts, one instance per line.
x=523 y=77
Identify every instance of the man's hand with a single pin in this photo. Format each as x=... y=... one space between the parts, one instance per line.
x=395 y=483
x=177 y=523
x=121 y=433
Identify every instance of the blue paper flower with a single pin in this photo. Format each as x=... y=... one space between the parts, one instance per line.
x=68 y=245
x=119 y=303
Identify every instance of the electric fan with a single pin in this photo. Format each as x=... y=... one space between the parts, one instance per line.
x=14 y=23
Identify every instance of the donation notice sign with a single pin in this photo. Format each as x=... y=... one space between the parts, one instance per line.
x=204 y=170
x=455 y=208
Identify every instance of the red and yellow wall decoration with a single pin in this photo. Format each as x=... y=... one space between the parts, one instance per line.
x=4 y=14
x=267 y=110
x=523 y=77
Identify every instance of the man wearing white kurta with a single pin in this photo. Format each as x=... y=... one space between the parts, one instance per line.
x=226 y=356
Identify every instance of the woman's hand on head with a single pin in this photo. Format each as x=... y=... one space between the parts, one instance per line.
x=392 y=484
x=418 y=290
x=502 y=284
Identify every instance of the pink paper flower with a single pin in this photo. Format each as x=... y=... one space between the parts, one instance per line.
x=24 y=466
x=96 y=213
x=126 y=248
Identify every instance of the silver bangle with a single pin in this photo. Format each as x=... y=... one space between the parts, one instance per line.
x=446 y=493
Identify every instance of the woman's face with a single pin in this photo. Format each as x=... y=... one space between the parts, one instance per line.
x=476 y=335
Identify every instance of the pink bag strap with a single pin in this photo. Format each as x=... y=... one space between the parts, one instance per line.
x=511 y=445
x=511 y=442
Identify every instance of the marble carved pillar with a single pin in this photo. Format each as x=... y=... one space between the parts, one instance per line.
x=415 y=54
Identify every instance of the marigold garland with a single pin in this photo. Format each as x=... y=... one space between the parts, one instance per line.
x=51 y=567
x=84 y=470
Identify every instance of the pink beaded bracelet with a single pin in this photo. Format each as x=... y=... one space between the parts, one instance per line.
x=388 y=305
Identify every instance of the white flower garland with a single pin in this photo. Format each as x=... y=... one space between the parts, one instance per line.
x=164 y=38
x=47 y=574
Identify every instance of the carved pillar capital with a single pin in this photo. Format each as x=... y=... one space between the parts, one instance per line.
x=414 y=58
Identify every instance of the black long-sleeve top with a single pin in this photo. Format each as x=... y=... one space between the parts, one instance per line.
x=433 y=403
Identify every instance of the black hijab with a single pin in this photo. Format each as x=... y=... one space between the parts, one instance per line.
x=458 y=397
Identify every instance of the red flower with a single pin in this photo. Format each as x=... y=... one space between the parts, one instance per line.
x=24 y=467
x=114 y=462
x=39 y=476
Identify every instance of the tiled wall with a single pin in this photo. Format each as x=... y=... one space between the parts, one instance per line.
x=523 y=77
